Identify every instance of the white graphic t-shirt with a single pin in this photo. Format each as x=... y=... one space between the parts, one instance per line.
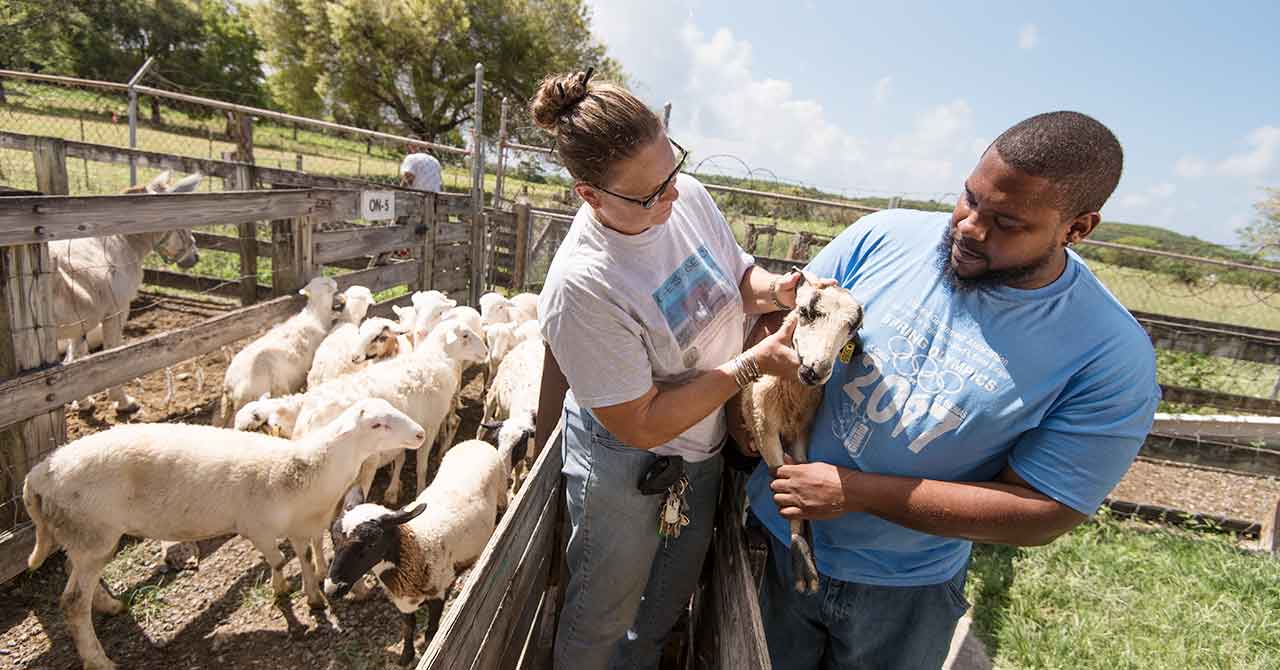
x=622 y=312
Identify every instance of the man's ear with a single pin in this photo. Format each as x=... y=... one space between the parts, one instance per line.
x=588 y=194
x=1082 y=226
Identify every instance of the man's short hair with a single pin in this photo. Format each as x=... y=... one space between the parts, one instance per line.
x=1078 y=154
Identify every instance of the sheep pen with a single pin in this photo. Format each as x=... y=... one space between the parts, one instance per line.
x=222 y=614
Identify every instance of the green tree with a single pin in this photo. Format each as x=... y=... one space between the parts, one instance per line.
x=1263 y=233
x=410 y=64
x=201 y=46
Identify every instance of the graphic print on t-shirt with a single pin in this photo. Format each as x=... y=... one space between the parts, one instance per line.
x=693 y=295
x=917 y=374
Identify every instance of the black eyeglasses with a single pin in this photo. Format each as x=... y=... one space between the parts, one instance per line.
x=649 y=201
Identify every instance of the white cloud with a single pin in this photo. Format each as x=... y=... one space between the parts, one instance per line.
x=1258 y=160
x=882 y=90
x=1028 y=36
x=1151 y=196
x=723 y=103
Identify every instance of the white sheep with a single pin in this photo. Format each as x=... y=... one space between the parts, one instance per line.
x=139 y=479
x=416 y=553
x=95 y=278
x=511 y=405
x=355 y=347
x=256 y=414
x=429 y=308
x=333 y=356
x=526 y=306
x=422 y=385
x=277 y=363
x=777 y=409
x=466 y=315
x=495 y=308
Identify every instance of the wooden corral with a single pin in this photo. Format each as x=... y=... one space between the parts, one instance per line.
x=506 y=614
x=35 y=384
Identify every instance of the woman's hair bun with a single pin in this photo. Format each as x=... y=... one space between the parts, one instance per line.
x=557 y=97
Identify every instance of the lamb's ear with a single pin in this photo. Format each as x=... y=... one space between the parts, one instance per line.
x=450 y=336
x=160 y=183
x=521 y=447
x=403 y=516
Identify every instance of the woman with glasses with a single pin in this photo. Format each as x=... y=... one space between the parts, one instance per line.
x=643 y=310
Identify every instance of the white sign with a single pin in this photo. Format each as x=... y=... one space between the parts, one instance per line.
x=377 y=205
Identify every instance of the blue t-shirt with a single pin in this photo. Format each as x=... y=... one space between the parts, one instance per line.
x=1057 y=382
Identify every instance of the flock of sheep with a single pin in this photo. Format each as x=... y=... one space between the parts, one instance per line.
x=337 y=396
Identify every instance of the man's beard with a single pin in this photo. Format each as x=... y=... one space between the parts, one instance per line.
x=990 y=278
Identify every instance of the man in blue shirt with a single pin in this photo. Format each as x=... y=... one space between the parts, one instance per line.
x=1001 y=392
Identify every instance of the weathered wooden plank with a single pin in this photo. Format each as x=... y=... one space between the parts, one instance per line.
x=1213 y=341
x=523 y=648
x=1231 y=428
x=453 y=257
x=227 y=243
x=28 y=220
x=462 y=630
x=27 y=334
x=1222 y=455
x=1269 y=538
x=731 y=619
x=47 y=389
x=1214 y=325
x=1179 y=517
x=15 y=547
x=200 y=284
x=530 y=578
x=249 y=229
x=382 y=277
x=1206 y=398
x=102 y=153
x=383 y=309
x=332 y=246
x=453 y=204
x=521 y=261
x=448 y=232
x=427 y=250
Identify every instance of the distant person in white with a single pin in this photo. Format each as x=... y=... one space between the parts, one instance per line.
x=421 y=172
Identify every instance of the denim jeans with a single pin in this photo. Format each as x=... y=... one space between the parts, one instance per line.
x=627 y=586
x=850 y=626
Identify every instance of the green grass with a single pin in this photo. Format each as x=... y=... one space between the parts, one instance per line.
x=1114 y=595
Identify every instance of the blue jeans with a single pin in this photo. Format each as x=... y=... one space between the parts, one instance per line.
x=850 y=626
x=627 y=586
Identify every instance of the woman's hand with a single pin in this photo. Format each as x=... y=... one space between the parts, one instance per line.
x=774 y=354
x=790 y=282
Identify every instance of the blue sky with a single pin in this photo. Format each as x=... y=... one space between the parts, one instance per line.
x=870 y=98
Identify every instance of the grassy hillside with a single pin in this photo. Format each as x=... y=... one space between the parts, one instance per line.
x=1167 y=240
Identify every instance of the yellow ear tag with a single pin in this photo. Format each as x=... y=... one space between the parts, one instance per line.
x=846 y=354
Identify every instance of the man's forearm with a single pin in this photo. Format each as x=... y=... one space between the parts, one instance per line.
x=993 y=512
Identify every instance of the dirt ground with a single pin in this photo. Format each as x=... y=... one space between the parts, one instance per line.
x=223 y=615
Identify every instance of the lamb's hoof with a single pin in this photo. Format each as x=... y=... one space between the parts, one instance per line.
x=363 y=589
x=318 y=607
x=181 y=556
x=406 y=658
x=128 y=407
x=104 y=664
x=806 y=574
x=85 y=406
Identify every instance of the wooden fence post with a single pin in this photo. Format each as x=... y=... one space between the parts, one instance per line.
x=427 y=253
x=524 y=219
x=28 y=341
x=248 y=242
x=750 y=243
x=1269 y=538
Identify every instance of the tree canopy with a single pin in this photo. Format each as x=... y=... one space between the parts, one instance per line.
x=1264 y=232
x=410 y=64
